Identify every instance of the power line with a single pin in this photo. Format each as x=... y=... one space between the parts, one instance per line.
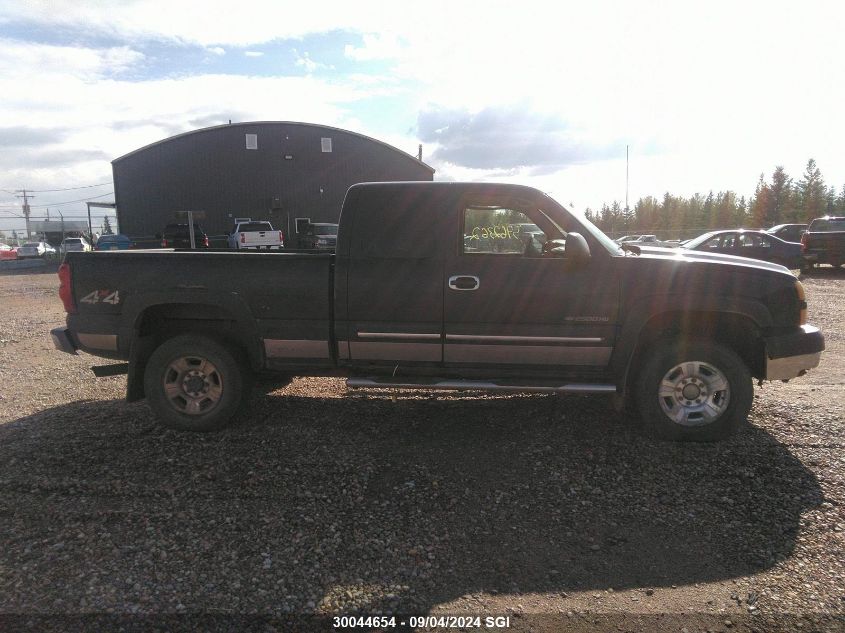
x=102 y=184
x=56 y=204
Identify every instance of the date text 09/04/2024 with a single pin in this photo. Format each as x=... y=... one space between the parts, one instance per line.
x=422 y=621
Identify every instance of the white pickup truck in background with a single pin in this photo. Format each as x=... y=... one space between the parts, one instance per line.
x=255 y=234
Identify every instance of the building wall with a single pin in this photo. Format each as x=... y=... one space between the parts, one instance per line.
x=287 y=176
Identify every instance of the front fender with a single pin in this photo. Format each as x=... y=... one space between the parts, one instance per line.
x=688 y=312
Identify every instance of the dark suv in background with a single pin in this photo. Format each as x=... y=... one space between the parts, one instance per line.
x=788 y=232
x=321 y=236
x=179 y=236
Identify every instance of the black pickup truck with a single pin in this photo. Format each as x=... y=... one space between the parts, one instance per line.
x=438 y=286
x=824 y=242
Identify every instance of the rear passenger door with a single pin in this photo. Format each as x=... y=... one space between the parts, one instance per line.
x=393 y=291
x=754 y=246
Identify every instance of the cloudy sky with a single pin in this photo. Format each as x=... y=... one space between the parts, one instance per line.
x=707 y=95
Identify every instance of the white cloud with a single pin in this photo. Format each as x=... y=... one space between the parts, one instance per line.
x=20 y=60
x=304 y=61
x=253 y=54
x=217 y=50
x=724 y=90
x=375 y=46
x=103 y=118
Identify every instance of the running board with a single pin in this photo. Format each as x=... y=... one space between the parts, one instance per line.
x=461 y=385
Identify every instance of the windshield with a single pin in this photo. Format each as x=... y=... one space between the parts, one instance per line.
x=325 y=229
x=255 y=226
x=827 y=225
x=72 y=240
x=33 y=244
x=611 y=246
x=696 y=241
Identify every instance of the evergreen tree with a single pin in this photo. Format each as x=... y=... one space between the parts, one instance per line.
x=706 y=217
x=107 y=230
x=741 y=216
x=645 y=214
x=782 y=199
x=725 y=212
x=812 y=193
x=762 y=206
x=830 y=203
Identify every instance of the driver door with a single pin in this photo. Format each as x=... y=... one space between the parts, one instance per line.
x=508 y=303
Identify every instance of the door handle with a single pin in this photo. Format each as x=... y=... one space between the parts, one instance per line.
x=464 y=282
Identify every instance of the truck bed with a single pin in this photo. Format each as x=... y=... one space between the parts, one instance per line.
x=275 y=296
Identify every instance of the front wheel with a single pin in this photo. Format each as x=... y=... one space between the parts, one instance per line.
x=194 y=383
x=694 y=391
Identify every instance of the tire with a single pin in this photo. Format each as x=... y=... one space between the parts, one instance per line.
x=711 y=397
x=194 y=383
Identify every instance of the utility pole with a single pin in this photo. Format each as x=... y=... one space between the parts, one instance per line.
x=26 y=196
x=626 y=180
x=63 y=227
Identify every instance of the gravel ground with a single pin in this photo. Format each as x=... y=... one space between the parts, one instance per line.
x=551 y=510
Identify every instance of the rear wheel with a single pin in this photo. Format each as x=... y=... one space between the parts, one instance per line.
x=194 y=383
x=694 y=391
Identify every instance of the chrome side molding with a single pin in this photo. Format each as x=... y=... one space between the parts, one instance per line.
x=481 y=385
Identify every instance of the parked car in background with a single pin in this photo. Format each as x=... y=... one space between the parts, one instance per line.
x=788 y=232
x=179 y=236
x=752 y=244
x=651 y=240
x=626 y=238
x=35 y=249
x=824 y=241
x=255 y=235
x=117 y=242
x=8 y=252
x=321 y=236
x=646 y=240
x=75 y=244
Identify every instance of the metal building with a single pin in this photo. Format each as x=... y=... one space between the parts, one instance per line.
x=277 y=171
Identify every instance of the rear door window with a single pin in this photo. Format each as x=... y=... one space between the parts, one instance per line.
x=827 y=225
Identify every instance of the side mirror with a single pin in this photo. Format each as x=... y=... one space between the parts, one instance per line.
x=577 y=249
x=574 y=248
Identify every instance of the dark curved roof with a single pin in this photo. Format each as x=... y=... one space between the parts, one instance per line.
x=297 y=123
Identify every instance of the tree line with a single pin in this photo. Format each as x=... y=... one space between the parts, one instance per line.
x=778 y=201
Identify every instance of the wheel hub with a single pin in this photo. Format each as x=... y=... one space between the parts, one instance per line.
x=193 y=385
x=692 y=390
x=694 y=393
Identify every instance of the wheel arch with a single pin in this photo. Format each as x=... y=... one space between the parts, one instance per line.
x=158 y=322
x=735 y=330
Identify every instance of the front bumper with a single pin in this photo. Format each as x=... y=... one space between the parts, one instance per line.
x=62 y=340
x=791 y=355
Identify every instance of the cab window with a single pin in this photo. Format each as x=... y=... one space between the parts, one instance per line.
x=500 y=230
